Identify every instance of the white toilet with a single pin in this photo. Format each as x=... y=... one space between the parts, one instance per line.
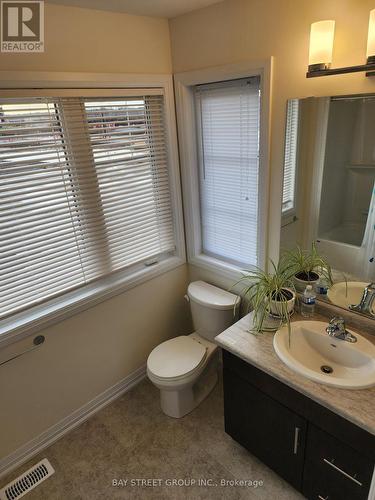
x=185 y=368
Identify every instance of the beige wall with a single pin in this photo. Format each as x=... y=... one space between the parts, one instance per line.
x=91 y=351
x=86 y=354
x=87 y=40
x=239 y=30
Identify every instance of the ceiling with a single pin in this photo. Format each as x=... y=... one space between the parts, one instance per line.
x=155 y=8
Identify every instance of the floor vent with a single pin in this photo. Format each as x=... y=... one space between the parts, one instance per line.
x=28 y=481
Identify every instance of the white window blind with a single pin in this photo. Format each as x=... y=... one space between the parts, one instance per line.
x=228 y=119
x=84 y=192
x=290 y=161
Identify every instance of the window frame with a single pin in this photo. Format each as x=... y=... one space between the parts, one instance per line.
x=17 y=84
x=187 y=133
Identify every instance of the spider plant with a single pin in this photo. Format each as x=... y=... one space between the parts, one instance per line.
x=269 y=293
x=307 y=265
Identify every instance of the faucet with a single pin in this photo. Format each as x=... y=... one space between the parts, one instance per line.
x=336 y=328
x=367 y=300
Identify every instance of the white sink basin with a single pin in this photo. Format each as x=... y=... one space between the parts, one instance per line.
x=344 y=295
x=352 y=364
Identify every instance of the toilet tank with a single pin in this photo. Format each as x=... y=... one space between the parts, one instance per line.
x=212 y=308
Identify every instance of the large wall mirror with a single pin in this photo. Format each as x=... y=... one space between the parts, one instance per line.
x=329 y=192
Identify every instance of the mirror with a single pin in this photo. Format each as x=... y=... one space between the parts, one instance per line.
x=329 y=192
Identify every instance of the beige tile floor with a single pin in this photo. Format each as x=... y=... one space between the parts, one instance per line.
x=132 y=439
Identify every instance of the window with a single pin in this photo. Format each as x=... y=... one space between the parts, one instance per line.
x=290 y=161
x=228 y=121
x=84 y=184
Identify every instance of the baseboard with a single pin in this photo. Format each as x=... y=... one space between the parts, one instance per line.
x=46 y=438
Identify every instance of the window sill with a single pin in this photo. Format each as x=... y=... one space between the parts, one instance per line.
x=25 y=323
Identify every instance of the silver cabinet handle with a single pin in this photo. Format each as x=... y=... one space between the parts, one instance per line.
x=296 y=440
x=322 y=498
x=331 y=464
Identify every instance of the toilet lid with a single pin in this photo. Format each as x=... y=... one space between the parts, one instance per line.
x=176 y=357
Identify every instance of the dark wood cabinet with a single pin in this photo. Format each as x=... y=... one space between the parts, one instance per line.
x=333 y=469
x=319 y=453
x=269 y=430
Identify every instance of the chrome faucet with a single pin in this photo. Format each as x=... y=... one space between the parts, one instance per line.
x=336 y=328
x=367 y=301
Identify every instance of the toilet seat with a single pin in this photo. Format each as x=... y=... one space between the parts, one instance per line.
x=176 y=358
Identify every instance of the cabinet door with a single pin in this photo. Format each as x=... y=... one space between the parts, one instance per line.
x=266 y=428
x=333 y=470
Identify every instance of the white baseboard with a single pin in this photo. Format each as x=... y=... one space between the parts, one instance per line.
x=46 y=438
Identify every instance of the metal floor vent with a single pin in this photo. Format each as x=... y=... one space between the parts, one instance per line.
x=28 y=481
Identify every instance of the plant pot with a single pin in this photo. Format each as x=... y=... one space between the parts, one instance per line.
x=302 y=279
x=278 y=308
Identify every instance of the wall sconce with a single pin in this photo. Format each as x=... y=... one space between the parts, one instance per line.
x=321 y=45
x=371 y=39
x=321 y=48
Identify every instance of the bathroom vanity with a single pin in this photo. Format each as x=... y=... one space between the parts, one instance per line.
x=321 y=439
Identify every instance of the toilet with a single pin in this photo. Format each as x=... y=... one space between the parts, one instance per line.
x=185 y=368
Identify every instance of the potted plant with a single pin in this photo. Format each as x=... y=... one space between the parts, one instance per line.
x=306 y=267
x=269 y=293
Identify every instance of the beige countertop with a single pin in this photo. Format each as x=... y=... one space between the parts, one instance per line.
x=357 y=406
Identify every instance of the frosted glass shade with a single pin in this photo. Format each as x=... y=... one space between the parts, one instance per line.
x=321 y=43
x=371 y=36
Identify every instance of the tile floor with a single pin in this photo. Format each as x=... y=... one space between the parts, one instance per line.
x=132 y=439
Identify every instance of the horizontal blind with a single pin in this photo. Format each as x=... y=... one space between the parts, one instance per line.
x=39 y=230
x=290 y=161
x=128 y=146
x=228 y=116
x=84 y=192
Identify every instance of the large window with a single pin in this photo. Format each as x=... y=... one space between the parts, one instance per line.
x=84 y=187
x=228 y=124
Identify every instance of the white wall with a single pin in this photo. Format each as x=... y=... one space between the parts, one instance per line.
x=86 y=354
x=239 y=30
x=87 y=40
x=91 y=351
x=340 y=133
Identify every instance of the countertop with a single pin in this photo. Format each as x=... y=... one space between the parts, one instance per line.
x=357 y=405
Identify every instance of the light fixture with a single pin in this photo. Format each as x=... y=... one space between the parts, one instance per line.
x=321 y=48
x=321 y=45
x=371 y=39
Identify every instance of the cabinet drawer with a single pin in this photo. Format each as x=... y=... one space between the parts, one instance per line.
x=333 y=470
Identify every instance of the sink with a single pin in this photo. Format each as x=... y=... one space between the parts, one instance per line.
x=343 y=296
x=317 y=356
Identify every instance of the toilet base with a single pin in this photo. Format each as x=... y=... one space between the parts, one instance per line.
x=178 y=403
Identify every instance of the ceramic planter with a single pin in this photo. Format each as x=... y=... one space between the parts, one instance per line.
x=301 y=280
x=277 y=308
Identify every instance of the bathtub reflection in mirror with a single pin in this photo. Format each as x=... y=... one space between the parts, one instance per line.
x=329 y=184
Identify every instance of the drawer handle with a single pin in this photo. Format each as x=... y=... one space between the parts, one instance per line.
x=342 y=471
x=296 y=440
x=322 y=498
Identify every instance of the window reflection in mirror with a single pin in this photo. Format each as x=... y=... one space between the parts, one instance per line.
x=329 y=182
